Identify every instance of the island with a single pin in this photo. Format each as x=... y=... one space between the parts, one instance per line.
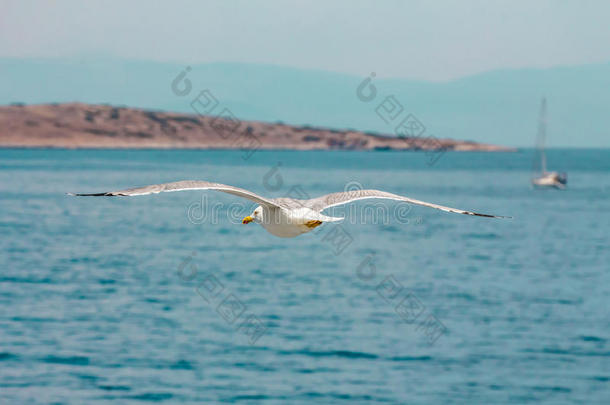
x=79 y=125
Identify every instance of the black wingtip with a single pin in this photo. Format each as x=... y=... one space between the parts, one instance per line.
x=489 y=216
x=501 y=216
x=90 y=195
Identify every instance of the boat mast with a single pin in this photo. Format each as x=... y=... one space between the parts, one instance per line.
x=542 y=133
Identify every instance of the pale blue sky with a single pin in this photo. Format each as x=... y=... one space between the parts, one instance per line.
x=433 y=40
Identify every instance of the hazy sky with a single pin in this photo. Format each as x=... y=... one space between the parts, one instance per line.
x=434 y=40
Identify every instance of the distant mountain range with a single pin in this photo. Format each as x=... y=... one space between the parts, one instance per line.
x=499 y=107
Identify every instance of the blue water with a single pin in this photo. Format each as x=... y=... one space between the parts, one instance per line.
x=102 y=299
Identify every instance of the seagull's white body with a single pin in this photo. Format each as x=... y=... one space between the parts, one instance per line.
x=290 y=223
x=283 y=217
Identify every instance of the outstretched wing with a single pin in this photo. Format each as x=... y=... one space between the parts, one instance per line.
x=334 y=199
x=182 y=186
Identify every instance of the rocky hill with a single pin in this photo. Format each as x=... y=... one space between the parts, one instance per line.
x=77 y=125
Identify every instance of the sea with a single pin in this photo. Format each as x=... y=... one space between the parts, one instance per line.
x=169 y=298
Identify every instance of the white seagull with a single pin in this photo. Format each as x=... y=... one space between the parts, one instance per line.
x=283 y=217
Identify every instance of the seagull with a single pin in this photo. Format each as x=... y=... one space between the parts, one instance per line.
x=283 y=217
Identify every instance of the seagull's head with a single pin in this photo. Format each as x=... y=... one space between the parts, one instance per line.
x=256 y=216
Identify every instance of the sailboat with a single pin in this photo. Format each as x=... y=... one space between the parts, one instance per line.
x=543 y=178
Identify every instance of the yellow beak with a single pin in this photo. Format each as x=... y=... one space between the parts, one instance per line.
x=247 y=220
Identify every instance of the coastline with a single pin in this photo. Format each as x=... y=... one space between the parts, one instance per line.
x=86 y=126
